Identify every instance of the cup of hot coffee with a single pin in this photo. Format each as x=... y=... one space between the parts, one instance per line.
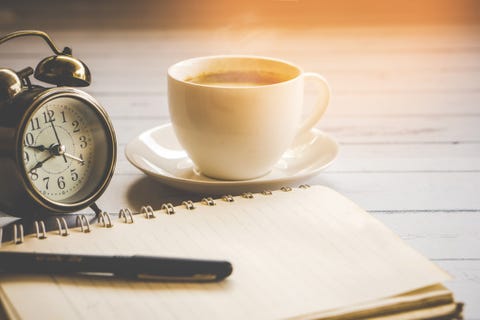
x=236 y=115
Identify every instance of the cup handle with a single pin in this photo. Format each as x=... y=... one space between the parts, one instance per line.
x=320 y=105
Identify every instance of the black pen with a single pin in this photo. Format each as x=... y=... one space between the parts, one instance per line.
x=136 y=266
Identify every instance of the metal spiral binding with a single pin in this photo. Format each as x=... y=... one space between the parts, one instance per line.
x=247 y=195
x=18 y=233
x=228 y=198
x=148 y=211
x=304 y=186
x=40 y=231
x=188 y=204
x=286 y=189
x=126 y=214
x=267 y=192
x=208 y=201
x=103 y=217
x=62 y=227
x=84 y=224
x=168 y=207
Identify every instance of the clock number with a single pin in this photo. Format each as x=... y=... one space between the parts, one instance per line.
x=34 y=123
x=74 y=175
x=83 y=161
x=83 y=142
x=63 y=117
x=75 y=125
x=46 y=180
x=48 y=116
x=33 y=175
x=29 y=139
x=61 y=182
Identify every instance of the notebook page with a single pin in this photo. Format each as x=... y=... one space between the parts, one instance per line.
x=293 y=253
x=424 y=298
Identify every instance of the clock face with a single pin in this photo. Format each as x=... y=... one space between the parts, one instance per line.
x=65 y=150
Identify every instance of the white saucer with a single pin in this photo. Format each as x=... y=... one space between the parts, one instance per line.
x=158 y=154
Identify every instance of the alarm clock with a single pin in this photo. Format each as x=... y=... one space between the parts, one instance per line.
x=57 y=144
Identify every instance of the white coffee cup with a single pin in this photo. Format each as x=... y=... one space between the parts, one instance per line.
x=236 y=115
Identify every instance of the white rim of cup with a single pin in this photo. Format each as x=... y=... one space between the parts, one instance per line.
x=300 y=71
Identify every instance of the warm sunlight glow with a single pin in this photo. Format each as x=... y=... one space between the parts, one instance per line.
x=308 y=13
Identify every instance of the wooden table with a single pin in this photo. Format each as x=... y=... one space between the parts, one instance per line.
x=405 y=110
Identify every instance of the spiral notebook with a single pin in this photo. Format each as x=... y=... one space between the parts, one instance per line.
x=297 y=253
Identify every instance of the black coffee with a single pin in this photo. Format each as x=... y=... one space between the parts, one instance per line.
x=238 y=78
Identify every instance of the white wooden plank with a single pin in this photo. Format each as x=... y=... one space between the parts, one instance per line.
x=405 y=103
x=358 y=70
x=407 y=158
x=359 y=50
x=348 y=73
x=407 y=190
x=419 y=129
x=466 y=285
x=438 y=235
x=367 y=81
x=386 y=39
x=119 y=104
x=423 y=80
x=157 y=60
x=383 y=158
x=372 y=191
x=358 y=130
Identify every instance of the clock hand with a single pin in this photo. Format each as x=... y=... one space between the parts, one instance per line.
x=56 y=136
x=55 y=150
x=68 y=155
x=39 y=147
x=59 y=150
x=39 y=164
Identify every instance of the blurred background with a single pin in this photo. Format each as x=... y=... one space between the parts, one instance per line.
x=114 y=14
